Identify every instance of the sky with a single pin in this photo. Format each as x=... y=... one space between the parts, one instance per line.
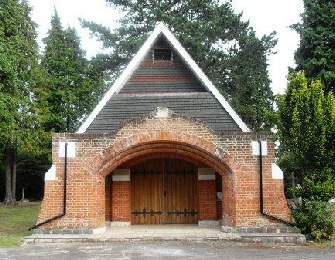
x=265 y=16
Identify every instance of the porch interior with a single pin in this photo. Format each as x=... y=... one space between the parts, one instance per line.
x=167 y=231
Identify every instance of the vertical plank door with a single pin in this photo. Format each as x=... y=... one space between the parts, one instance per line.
x=147 y=193
x=180 y=202
x=164 y=191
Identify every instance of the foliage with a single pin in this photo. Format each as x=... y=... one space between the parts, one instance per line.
x=225 y=47
x=19 y=116
x=307 y=115
x=319 y=185
x=316 y=52
x=306 y=122
x=74 y=85
x=316 y=218
x=306 y=133
x=17 y=32
x=32 y=168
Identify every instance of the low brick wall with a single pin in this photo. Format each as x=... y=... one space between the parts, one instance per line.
x=207 y=200
x=120 y=201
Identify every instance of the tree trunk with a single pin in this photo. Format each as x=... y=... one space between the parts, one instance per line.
x=14 y=161
x=10 y=178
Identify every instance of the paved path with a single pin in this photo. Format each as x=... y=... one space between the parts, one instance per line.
x=166 y=250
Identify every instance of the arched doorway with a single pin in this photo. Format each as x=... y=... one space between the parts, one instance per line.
x=118 y=160
x=164 y=191
x=164 y=188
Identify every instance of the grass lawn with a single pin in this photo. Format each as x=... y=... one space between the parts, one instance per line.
x=15 y=222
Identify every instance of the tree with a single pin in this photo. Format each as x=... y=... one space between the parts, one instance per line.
x=18 y=63
x=306 y=133
x=307 y=113
x=306 y=124
x=74 y=85
x=316 y=52
x=225 y=47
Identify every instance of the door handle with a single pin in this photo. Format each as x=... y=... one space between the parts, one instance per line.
x=165 y=193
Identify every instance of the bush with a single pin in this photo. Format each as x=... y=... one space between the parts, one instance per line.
x=319 y=184
x=316 y=218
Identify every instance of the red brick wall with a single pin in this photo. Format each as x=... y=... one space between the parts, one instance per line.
x=207 y=200
x=218 y=209
x=120 y=198
x=228 y=200
x=108 y=201
x=274 y=199
x=97 y=155
x=246 y=182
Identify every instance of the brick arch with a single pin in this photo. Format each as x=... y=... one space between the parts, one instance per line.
x=164 y=143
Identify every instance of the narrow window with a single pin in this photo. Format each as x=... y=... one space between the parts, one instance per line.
x=163 y=54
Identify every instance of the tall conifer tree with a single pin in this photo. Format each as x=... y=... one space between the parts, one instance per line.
x=316 y=52
x=306 y=131
x=73 y=84
x=18 y=63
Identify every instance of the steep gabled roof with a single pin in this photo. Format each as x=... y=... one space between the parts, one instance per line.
x=135 y=62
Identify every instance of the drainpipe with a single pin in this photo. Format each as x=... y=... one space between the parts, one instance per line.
x=261 y=196
x=64 y=194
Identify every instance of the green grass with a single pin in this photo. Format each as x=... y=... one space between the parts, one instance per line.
x=15 y=222
x=325 y=244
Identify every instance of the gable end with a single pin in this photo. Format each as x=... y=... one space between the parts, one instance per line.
x=134 y=79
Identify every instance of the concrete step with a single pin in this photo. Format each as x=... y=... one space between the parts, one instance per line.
x=292 y=238
x=288 y=238
x=169 y=232
x=285 y=229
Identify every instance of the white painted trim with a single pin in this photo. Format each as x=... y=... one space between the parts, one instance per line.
x=206 y=174
x=50 y=175
x=277 y=173
x=121 y=175
x=255 y=148
x=203 y=78
x=122 y=79
x=134 y=63
x=71 y=149
x=162 y=112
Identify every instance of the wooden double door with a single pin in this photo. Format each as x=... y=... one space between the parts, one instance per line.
x=164 y=191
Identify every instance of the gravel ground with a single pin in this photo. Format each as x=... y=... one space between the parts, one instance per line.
x=166 y=250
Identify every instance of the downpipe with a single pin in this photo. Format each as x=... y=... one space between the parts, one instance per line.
x=261 y=195
x=64 y=195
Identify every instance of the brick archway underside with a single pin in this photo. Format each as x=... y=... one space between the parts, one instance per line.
x=168 y=149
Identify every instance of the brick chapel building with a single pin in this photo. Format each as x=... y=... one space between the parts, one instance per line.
x=162 y=146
